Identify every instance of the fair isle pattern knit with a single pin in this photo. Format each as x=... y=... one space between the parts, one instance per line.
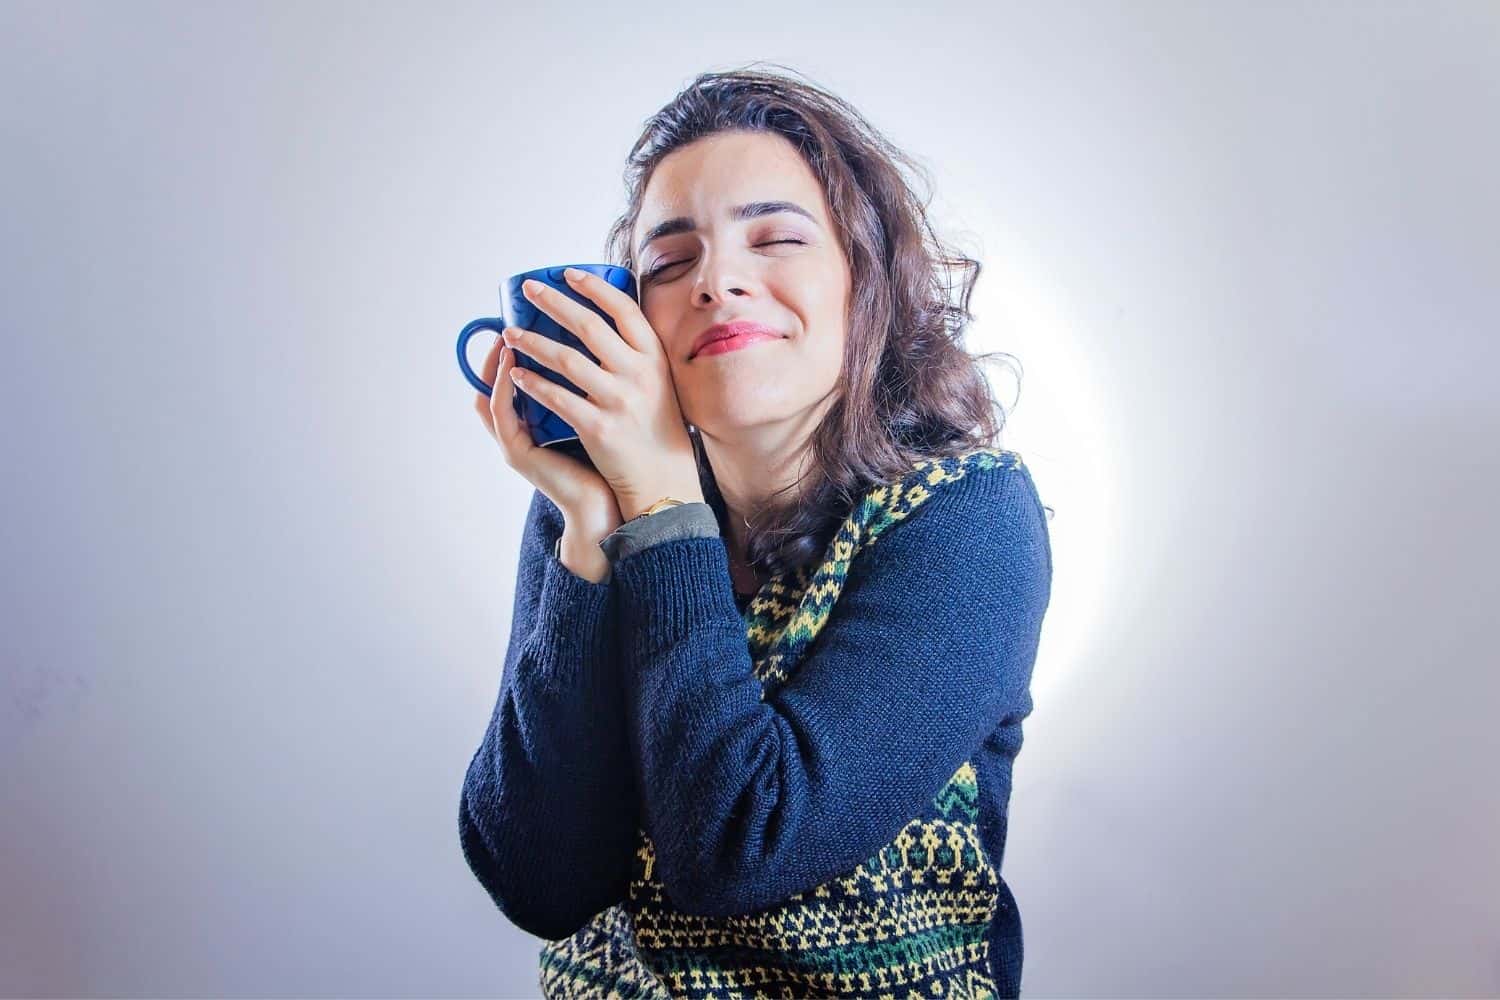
x=909 y=922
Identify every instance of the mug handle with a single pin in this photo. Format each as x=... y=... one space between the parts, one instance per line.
x=493 y=323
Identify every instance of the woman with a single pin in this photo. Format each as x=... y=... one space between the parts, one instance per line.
x=770 y=651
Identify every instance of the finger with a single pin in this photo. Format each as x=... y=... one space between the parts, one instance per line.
x=585 y=324
x=573 y=408
x=624 y=310
x=506 y=424
x=565 y=359
x=487 y=373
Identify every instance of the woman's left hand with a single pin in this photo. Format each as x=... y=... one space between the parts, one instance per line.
x=631 y=424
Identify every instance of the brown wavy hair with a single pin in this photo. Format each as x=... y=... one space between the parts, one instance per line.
x=908 y=389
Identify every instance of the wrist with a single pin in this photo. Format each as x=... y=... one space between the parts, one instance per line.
x=592 y=528
x=580 y=553
x=633 y=507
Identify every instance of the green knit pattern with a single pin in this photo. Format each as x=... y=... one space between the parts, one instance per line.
x=908 y=923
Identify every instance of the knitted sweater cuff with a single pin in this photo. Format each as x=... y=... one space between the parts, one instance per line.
x=671 y=589
x=570 y=637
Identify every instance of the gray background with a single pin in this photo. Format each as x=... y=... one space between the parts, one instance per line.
x=258 y=550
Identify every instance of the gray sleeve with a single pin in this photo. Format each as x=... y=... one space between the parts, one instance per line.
x=689 y=520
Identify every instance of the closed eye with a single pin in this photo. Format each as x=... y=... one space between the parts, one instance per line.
x=651 y=275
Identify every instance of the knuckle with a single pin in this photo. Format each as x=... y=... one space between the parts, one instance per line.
x=582 y=372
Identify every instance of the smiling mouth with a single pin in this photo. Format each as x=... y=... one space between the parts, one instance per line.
x=740 y=340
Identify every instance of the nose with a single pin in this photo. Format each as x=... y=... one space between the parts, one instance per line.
x=718 y=278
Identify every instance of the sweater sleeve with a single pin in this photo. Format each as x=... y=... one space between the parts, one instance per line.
x=548 y=814
x=927 y=649
x=689 y=520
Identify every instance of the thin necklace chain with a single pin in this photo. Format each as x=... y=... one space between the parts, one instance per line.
x=736 y=561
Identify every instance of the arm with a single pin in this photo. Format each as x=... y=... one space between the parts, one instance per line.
x=928 y=648
x=548 y=815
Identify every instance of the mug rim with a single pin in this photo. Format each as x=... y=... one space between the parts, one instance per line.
x=541 y=273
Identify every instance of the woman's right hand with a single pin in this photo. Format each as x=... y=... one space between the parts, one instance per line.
x=586 y=500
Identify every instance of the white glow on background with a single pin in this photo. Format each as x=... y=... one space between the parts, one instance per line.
x=258 y=551
x=1064 y=435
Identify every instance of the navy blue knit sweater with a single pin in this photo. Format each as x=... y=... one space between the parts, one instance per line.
x=806 y=796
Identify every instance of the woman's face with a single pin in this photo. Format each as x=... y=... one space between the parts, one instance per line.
x=710 y=266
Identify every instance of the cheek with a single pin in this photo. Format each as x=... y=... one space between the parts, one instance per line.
x=819 y=294
x=828 y=312
x=828 y=354
x=661 y=316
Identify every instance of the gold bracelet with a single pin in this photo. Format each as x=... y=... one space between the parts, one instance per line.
x=660 y=506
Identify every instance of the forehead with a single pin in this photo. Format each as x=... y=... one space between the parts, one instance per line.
x=702 y=179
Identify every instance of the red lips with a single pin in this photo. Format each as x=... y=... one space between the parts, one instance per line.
x=723 y=331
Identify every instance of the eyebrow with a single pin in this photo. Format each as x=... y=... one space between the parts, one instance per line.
x=752 y=210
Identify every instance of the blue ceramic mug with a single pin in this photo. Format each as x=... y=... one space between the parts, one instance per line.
x=547 y=428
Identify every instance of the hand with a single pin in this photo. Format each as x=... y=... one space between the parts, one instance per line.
x=585 y=499
x=631 y=423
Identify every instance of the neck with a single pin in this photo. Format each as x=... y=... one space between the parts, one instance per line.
x=757 y=466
